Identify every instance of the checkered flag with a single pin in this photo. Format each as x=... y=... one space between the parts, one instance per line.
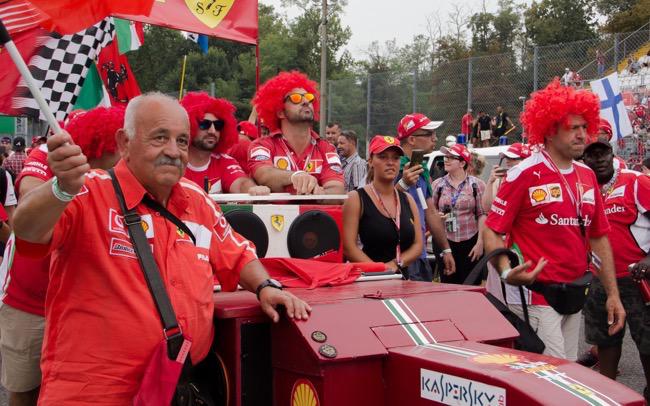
x=60 y=67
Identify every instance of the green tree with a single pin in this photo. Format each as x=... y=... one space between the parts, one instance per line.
x=629 y=18
x=507 y=25
x=558 y=21
x=483 y=33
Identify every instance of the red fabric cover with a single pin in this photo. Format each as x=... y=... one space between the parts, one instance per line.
x=308 y=273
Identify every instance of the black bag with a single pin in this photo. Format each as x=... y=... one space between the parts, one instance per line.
x=528 y=339
x=565 y=298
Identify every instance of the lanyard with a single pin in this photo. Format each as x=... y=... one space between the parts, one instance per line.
x=396 y=219
x=290 y=158
x=456 y=194
x=577 y=201
x=608 y=188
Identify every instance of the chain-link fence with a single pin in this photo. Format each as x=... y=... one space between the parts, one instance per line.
x=374 y=103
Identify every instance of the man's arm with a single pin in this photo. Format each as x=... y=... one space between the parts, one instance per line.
x=439 y=235
x=69 y=166
x=253 y=274
x=518 y=275
x=334 y=187
x=607 y=275
x=276 y=179
x=245 y=184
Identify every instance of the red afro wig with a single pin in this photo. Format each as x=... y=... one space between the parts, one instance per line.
x=198 y=104
x=94 y=130
x=248 y=129
x=269 y=99
x=550 y=107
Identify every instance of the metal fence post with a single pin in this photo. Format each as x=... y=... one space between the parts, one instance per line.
x=415 y=89
x=616 y=56
x=535 y=68
x=469 y=83
x=368 y=102
x=329 y=101
x=212 y=89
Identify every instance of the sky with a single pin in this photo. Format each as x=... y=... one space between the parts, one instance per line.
x=383 y=20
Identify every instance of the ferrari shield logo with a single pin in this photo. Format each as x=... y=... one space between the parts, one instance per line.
x=210 y=12
x=277 y=221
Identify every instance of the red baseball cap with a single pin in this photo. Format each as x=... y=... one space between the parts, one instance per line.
x=516 y=151
x=413 y=122
x=381 y=143
x=606 y=127
x=458 y=151
x=249 y=129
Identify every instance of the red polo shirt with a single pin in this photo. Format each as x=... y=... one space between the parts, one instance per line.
x=318 y=159
x=102 y=325
x=25 y=282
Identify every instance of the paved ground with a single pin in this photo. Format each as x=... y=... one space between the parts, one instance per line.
x=630 y=366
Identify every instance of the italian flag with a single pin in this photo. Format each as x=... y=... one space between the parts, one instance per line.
x=130 y=35
x=93 y=93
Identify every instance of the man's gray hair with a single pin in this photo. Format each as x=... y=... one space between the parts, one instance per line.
x=131 y=113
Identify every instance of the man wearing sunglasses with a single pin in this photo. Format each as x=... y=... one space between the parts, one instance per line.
x=213 y=132
x=417 y=132
x=293 y=158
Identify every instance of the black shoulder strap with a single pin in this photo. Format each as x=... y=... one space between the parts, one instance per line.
x=476 y=202
x=438 y=198
x=154 y=205
x=150 y=269
x=3 y=186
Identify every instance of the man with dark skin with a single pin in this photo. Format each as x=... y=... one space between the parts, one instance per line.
x=626 y=196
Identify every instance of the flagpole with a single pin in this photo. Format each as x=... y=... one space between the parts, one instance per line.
x=5 y=39
x=180 y=92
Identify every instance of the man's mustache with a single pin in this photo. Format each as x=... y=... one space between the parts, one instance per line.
x=164 y=160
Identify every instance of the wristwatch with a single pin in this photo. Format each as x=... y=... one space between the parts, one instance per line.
x=267 y=283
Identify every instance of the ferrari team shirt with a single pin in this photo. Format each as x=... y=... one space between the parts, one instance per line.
x=24 y=279
x=626 y=203
x=221 y=171
x=102 y=324
x=319 y=159
x=538 y=207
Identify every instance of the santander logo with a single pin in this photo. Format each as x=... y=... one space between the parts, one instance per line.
x=614 y=209
x=541 y=219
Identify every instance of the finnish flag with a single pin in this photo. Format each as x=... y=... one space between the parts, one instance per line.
x=612 y=108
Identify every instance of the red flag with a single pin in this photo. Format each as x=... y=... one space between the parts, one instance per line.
x=117 y=75
x=234 y=20
x=28 y=44
x=19 y=16
x=70 y=16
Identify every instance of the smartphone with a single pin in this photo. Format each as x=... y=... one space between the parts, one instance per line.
x=417 y=156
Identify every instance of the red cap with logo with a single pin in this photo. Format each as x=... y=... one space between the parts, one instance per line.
x=606 y=127
x=413 y=122
x=516 y=151
x=458 y=151
x=381 y=143
x=248 y=129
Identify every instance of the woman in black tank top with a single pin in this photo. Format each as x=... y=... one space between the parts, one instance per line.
x=380 y=216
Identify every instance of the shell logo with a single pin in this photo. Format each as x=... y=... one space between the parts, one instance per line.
x=282 y=163
x=304 y=394
x=389 y=140
x=496 y=359
x=538 y=195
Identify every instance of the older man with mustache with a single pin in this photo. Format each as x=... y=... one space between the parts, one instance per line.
x=101 y=323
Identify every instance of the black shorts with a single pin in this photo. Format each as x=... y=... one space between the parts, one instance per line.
x=638 y=316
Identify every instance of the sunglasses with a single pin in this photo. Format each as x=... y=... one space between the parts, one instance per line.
x=296 y=98
x=206 y=124
x=455 y=158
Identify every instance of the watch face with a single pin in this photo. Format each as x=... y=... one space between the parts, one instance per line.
x=275 y=283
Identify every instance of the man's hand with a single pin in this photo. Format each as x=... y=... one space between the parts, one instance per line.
x=450 y=264
x=271 y=297
x=411 y=174
x=519 y=275
x=615 y=314
x=640 y=270
x=497 y=173
x=67 y=162
x=259 y=191
x=303 y=182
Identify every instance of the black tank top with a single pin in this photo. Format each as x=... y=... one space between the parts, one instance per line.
x=378 y=233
